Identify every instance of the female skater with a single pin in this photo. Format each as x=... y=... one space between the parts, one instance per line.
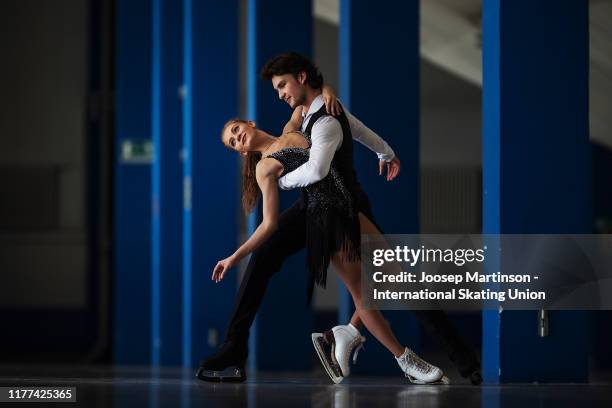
x=333 y=224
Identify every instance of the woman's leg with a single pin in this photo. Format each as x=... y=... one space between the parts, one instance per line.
x=416 y=369
x=350 y=273
x=367 y=227
x=355 y=320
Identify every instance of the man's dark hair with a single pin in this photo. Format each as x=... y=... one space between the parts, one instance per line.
x=293 y=63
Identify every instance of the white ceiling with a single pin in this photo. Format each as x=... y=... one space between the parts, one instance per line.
x=450 y=39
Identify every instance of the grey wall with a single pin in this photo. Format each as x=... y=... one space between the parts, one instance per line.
x=451 y=176
x=450 y=119
x=42 y=152
x=326 y=50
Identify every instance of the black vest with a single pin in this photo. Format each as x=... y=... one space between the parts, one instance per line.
x=343 y=158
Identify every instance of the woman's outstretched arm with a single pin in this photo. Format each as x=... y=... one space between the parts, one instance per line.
x=267 y=173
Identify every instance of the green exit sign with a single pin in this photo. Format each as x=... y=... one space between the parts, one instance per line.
x=137 y=151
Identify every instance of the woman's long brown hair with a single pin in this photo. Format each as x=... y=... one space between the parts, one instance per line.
x=250 y=189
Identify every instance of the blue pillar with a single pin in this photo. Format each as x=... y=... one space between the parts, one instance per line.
x=379 y=83
x=536 y=152
x=132 y=187
x=167 y=198
x=211 y=79
x=274 y=27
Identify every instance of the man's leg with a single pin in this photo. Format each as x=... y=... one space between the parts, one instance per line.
x=436 y=323
x=288 y=239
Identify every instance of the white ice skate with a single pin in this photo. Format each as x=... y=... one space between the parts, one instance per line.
x=334 y=348
x=419 y=371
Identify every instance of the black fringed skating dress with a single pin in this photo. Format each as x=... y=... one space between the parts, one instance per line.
x=332 y=215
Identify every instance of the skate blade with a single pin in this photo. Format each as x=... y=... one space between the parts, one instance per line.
x=444 y=380
x=230 y=374
x=332 y=371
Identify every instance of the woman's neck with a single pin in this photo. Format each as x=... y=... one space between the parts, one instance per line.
x=267 y=141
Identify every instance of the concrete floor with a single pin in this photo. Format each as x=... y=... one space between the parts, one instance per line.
x=141 y=387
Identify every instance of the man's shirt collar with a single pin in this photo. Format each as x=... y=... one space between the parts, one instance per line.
x=314 y=106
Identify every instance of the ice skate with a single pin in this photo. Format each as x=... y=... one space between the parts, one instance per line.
x=227 y=364
x=334 y=349
x=419 y=371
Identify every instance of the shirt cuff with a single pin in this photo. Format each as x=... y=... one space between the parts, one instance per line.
x=282 y=185
x=386 y=157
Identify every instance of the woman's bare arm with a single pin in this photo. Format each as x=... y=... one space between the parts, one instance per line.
x=331 y=105
x=267 y=173
x=295 y=123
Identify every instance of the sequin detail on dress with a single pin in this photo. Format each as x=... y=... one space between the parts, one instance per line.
x=332 y=223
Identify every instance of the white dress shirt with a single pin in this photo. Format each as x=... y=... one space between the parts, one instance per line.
x=326 y=137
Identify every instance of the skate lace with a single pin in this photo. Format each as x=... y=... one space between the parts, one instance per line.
x=359 y=347
x=358 y=341
x=412 y=359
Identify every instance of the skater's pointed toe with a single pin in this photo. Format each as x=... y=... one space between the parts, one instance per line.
x=227 y=364
x=325 y=351
x=335 y=347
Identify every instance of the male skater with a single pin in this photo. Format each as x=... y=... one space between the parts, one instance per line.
x=298 y=82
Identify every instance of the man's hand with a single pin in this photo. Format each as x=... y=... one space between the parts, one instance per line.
x=393 y=168
x=222 y=267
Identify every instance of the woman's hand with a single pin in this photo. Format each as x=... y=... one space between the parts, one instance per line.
x=332 y=106
x=222 y=267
